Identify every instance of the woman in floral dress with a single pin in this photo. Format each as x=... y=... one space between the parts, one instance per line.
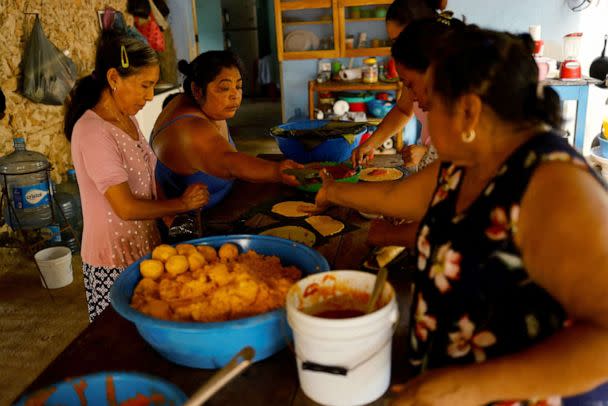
x=510 y=303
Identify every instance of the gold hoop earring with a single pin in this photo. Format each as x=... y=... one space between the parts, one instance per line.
x=468 y=136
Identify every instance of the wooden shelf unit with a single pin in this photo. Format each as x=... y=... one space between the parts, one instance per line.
x=338 y=20
x=331 y=86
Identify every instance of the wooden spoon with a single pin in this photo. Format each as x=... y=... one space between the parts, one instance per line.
x=378 y=288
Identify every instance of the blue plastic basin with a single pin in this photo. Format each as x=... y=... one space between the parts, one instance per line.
x=603 y=146
x=333 y=149
x=127 y=386
x=379 y=108
x=212 y=345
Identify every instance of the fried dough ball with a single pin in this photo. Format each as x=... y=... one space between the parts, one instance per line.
x=151 y=268
x=196 y=260
x=219 y=274
x=208 y=252
x=177 y=264
x=163 y=252
x=158 y=308
x=228 y=251
x=185 y=249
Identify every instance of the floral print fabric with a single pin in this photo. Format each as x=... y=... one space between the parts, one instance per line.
x=473 y=298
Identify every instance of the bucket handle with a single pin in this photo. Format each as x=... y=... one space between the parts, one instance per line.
x=340 y=370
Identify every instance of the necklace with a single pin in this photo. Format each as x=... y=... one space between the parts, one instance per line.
x=125 y=124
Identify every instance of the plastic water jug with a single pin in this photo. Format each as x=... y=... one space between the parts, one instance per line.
x=28 y=186
x=69 y=207
x=70 y=187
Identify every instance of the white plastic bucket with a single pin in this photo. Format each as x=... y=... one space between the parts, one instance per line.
x=55 y=264
x=342 y=361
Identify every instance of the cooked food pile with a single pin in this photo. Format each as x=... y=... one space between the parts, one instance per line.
x=198 y=283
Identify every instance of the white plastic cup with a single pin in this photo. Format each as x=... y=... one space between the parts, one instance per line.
x=361 y=345
x=55 y=264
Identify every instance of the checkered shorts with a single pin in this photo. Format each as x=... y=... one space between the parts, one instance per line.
x=97 y=283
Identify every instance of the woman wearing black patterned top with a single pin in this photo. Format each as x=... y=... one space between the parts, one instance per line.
x=510 y=303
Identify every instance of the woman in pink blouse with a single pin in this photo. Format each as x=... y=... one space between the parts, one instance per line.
x=115 y=165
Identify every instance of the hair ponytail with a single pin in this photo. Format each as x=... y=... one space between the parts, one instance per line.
x=84 y=96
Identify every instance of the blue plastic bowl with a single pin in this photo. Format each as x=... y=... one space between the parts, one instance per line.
x=603 y=146
x=334 y=149
x=127 y=386
x=212 y=345
x=379 y=108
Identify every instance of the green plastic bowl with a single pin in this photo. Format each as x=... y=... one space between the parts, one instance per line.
x=314 y=187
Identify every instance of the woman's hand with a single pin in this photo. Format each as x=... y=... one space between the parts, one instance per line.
x=195 y=196
x=413 y=154
x=362 y=154
x=289 y=179
x=435 y=388
x=321 y=200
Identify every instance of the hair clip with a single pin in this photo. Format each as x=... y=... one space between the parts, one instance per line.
x=445 y=17
x=124 y=57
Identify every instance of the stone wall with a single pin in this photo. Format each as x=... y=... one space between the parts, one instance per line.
x=71 y=25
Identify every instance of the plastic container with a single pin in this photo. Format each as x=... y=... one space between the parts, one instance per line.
x=379 y=108
x=69 y=207
x=70 y=186
x=212 y=345
x=358 y=346
x=370 y=70
x=128 y=386
x=603 y=146
x=28 y=187
x=55 y=264
x=332 y=150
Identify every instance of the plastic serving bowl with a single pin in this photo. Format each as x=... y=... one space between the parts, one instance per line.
x=127 y=386
x=212 y=345
x=333 y=149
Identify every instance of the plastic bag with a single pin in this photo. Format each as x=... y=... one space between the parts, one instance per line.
x=150 y=29
x=48 y=75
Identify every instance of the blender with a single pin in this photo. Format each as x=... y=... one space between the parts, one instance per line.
x=571 y=67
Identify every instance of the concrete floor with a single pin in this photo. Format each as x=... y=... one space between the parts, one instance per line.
x=34 y=328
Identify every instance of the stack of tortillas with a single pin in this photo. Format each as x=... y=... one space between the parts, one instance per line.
x=380 y=174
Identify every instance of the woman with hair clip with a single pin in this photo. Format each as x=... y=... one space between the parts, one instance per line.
x=115 y=166
x=510 y=304
x=411 y=102
x=191 y=137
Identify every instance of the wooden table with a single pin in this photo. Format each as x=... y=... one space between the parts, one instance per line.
x=112 y=343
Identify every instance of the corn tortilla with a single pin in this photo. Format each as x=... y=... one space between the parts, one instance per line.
x=293 y=233
x=380 y=174
x=291 y=208
x=325 y=225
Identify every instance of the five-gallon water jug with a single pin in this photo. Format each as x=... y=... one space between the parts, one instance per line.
x=69 y=207
x=28 y=187
x=70 y=187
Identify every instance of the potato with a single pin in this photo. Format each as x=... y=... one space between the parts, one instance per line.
x=228 y=251
x=208 y=252
x=185 y=249
x=176 y=265
x=163 y=252
x=196 y=260
x=151 y=268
